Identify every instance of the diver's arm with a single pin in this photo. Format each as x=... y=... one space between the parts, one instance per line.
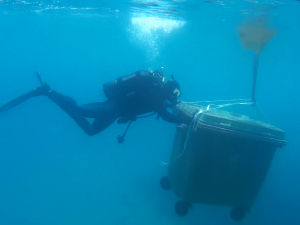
x=169 y=105
x=166 y=115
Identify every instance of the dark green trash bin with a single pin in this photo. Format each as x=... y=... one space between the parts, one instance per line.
x=226 y=156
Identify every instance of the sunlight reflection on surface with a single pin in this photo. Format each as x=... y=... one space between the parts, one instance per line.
x=148 y=30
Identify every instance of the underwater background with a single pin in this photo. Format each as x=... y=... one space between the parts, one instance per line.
x=51 y=172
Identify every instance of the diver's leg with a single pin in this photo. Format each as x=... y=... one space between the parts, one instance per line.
x=97 y=109
x=91 y=110
x=108 y=112
x=71 y=108
x=100 y=124
x=67 y=104
x=105 y=113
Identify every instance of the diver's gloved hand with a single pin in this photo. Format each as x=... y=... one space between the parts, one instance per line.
x=44 y=89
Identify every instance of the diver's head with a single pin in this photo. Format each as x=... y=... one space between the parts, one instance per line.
x=171 y=90
x=159 y=75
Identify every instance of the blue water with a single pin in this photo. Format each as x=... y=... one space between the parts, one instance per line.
x=51 y=172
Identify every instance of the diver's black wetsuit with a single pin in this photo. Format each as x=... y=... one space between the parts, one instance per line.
x=105 y=113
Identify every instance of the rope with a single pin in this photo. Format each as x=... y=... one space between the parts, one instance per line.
x=243 y=101
x=233 y=100
x=254 y=110
x=255 y=67
x=185 y=143
x=229 y=104
x=263 y=114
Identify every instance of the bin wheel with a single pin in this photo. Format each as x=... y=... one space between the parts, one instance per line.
x=165 y=183
x=237 y=213
x=182 y=207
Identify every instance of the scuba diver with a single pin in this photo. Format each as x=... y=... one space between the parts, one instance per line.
x=127 y=98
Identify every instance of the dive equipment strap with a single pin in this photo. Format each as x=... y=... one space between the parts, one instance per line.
x=121 y=138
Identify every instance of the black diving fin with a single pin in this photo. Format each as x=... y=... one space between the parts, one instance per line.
x=39 y=77
x=21 y=98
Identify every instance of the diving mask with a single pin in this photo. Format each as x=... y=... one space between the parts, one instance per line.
x=177 y=92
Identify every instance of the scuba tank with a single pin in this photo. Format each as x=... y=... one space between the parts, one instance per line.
x=124 y=87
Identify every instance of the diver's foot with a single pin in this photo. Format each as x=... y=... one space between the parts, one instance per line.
x=44 y=89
